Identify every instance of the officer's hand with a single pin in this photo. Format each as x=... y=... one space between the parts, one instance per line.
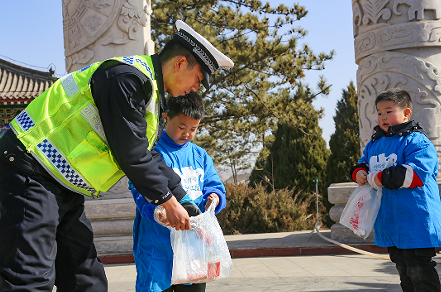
x=176 y=214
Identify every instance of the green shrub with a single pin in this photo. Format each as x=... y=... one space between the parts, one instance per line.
x=254 y=210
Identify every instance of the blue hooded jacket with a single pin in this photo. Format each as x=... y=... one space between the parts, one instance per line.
x=151 y=241
x=410 y=213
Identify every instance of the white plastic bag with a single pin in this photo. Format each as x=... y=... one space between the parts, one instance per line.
x=361 y=210
x=200 y=254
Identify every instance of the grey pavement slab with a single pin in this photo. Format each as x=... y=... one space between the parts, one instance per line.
x=324 y=272
x=281 y=239
x=352 y=272
x=342 y=272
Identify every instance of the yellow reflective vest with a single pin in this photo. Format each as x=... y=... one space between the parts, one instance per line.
x=62 y=129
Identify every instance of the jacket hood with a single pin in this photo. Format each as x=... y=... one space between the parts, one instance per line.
x=400 y=130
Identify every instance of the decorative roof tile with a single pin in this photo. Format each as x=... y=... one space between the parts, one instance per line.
x=20 y=84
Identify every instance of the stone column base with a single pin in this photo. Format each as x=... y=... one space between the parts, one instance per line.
x=112 y=223
x=343 y=234
x=338 y=194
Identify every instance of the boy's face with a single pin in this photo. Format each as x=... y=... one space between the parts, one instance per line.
x=181 y=128
x=390 y=114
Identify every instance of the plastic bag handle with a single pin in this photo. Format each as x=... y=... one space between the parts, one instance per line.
x=213 y=205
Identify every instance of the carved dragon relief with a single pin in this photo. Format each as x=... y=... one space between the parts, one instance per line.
x=357 y=16
x=369 y=12
x=374 y=10
x=84 y=21
x=405 y=35
x=130 y=22
x=422 y=79
x=418 y=7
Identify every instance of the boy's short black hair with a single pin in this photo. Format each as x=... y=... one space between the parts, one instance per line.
x=190 y=104
x=398 y=96
x=174 y=48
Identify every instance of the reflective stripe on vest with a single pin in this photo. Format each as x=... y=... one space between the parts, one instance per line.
x=55 y=157
x=66 y=134
x=152 y=107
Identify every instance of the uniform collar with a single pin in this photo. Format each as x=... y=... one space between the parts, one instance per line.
x=400 y=130
x=160 y=83
x=158 y=74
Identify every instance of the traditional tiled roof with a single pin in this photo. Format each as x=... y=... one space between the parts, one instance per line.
x=20 y=85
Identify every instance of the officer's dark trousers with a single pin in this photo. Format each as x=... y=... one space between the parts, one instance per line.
x=45 y=237
x=416 y=269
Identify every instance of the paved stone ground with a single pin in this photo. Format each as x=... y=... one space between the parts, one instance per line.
x=352 y=272
x=288 y=261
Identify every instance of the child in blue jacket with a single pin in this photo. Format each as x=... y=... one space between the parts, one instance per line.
x=404 y=162
x=151 y=241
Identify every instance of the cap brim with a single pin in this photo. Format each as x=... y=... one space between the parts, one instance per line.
x=222 y=60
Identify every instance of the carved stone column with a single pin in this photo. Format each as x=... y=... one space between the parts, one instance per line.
x=397 y=44
x=95 y=30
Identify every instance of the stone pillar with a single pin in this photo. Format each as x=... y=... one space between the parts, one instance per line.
x=112 y=224
x=95 y=30
x=397 y=44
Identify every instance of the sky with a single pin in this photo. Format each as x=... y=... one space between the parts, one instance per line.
x=31 y=35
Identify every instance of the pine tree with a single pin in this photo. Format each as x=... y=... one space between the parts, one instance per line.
x=226 y=153
x=345 y=142
x=297 y=156
x=246 y=102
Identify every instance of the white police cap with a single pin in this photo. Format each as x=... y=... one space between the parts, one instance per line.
x=206 y=54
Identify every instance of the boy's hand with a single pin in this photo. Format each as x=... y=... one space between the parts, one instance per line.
x=361 y=177
x=176 y=214
x=210 y=199
x=377 y=181
x=374 y=180
x=160 y=216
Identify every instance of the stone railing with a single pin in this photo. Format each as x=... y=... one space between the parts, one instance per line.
x=338 y=194
x=112 y=220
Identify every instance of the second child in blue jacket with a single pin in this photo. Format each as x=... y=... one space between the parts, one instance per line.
x=151 y=241
x=404 y=162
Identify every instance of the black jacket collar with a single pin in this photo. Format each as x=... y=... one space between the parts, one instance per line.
x=160 y=82
x=400 y=130
x=158 y=74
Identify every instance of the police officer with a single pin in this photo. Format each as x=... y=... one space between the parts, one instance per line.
x=82 y=135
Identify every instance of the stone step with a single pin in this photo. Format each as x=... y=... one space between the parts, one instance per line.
x=112 y=223
x=120 y=244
